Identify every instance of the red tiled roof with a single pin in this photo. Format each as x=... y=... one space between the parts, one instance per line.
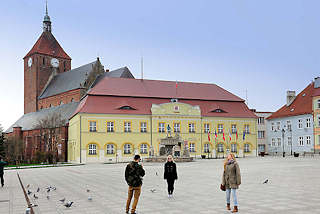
x=161 y=89
x=302 y=104
x=110 y=105
x=47 y=44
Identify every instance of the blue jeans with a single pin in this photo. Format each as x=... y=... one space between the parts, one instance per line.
x=234 y=196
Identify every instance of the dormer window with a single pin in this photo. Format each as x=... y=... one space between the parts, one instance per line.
x=218 y=110
x=127 y=108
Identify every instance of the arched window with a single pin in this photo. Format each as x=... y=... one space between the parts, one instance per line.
x=110 y=149
x=127 y=148
x=72 y=100
x=43 y=61
x=51 y=105
x=92 y=149
x=234 y=147
x=144 y=148
x=246 y=147
x=220 y=147
x=61 y=103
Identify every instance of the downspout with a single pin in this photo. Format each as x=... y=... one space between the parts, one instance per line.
x=201 y=135
x=152 y=152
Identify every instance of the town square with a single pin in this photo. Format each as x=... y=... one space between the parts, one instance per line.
x=159 y=107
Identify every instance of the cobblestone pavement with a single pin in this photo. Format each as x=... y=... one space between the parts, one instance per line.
x=294 y=185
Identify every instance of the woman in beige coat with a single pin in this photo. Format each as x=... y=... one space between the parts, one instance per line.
x=231 y=179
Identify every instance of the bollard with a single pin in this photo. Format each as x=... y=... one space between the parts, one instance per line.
x=28 y=211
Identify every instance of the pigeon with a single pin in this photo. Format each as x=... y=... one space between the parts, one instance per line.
x=29 y=192
x=62 y=200
x=54 y=188
x=48 y=197
x=48 y=189
x=153 y=190
x=266 y=181
x=88 y=190
x=38 y=189
x=89 y=198
x=156 y=173
x=33 y=205
x=35 y=197
x=69 y=204
x=28 y=185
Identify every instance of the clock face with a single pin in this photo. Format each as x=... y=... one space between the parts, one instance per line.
x=30 y=62
x=55 y=62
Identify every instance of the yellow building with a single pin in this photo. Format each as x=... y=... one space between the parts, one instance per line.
x=111 y=125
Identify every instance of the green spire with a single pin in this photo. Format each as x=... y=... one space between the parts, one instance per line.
x=46 y=17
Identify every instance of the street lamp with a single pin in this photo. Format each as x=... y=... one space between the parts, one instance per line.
x=283 y=152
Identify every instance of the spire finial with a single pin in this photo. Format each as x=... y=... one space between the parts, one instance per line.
x=46 y=8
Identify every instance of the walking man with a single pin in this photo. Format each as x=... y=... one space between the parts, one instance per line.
x=134 y=173
x=2 y=164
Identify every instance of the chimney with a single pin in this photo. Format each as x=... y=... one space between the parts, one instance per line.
x=291 y=95
x=317 y=82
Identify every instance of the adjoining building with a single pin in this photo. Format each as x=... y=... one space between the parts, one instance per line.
x=262 y=124
x=290 y=129
x=121 y=117
x=316 y=114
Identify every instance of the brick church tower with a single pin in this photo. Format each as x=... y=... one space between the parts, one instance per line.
x=44 y=59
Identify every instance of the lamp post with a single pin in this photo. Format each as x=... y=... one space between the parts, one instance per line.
x=283 y=152
x=291 y=139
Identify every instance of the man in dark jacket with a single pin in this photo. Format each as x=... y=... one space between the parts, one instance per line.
x=2 y=164
x=170 y=174
x=134 y=173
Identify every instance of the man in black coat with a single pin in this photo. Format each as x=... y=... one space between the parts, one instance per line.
x=170 y=174
x=133 y=175
x=2 y=164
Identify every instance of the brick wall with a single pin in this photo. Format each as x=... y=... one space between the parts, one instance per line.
x=55 y=100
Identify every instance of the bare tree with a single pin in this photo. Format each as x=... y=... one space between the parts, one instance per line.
x=14 y=150
x=50 y=134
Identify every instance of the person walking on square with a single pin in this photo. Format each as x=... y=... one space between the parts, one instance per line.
x=170 y=174
x=133 y=175
x=2 y=164
x=231 y=180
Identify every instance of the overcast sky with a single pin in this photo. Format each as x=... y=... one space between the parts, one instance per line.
x=264 y=47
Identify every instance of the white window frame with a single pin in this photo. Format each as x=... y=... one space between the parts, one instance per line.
x=192 y=147
x=301 y=141
x=93 y=126
x=279 y=141
x=144 y=148
x=206 y=128
x=308 y=140
x=289 y=125
x=273 y=142
x=127 y=126
x=289 y=141
x=92 y=149
x=300 y=124
x=233 y=128
x=247 y=129
x=246 y=147
x=272 y=126
x=110 y=149
x=220 y=147
x=176 y=127
x=206 y=148
x=261 y=134
x=233 y=147
x=192 y=128
x=143 y=127
x=318 y=120
x=278 y=126
x=127 y=148
x=110 y=126
x=308 y=122
x=220 y=128
x=260 y=120
x=318 y=103
x=161 y=127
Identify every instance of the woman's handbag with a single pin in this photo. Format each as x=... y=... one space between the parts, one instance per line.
x=222 y=187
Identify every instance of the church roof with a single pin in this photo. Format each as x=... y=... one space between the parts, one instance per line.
x=48 y=45
x=67 y=81
x=30 y=120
